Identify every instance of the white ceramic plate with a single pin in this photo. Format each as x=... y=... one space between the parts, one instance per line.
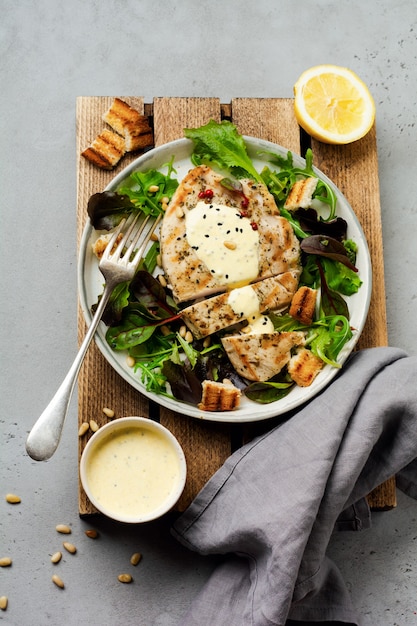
x=90 y=283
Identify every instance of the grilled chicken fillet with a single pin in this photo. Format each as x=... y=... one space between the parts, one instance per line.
x=189 y=277
x=261 y=356
x=214 y=314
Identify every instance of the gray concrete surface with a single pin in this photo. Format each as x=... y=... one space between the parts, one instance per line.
x=51 y=52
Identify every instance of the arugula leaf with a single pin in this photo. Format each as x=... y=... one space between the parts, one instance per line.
x=139 y=188
x=107 y=208
x=220 y=144
x=189 y=351
x=325 y=337
x=279 y=183
x=326 y=341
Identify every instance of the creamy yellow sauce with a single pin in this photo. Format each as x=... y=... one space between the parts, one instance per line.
x=224 y=241
x=132 y=471
x=245 y=303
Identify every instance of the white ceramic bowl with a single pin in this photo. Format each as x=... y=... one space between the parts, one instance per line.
x=133 y=470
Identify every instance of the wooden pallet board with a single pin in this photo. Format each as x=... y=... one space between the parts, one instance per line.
x=353 y=168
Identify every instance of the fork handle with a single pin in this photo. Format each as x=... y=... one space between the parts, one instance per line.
x=46 y=433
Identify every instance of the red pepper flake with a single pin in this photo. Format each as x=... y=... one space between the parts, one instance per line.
x=245 y=202
x=243 y=213
x=254 y=225
x=206 y=194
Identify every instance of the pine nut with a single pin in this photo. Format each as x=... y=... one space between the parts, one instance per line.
x=92 y=533
x=165 y=200
x=162 y=280
x=159 y=260
x=3 y=603
x=135 y=558
x=12 y=498
x=154 y=237
x=94 y=426
x=69 y=547
x=125 y=578
x=63 y=528
x=189 y=336
x=108 y=412
x=165 y=330
x=179 y=212
x=83 y=429
x=130 y=361
x=230 y=245
x=58 y=581
x=5 y=561
x=182 y=331
x=153 y=188
x=56 y=557
x=206 y=342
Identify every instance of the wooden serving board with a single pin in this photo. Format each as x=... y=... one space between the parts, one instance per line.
x=353 y=168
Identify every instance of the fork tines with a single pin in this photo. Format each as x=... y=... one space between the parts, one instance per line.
x=133 y=228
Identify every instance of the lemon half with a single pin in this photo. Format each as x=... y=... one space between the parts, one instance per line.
x=333 y=104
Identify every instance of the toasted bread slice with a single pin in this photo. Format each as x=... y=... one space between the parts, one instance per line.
x=130 y=124
x=219 y=396
x=301 y=194
x=303 y=305
x=106 y=150
x=304 y=367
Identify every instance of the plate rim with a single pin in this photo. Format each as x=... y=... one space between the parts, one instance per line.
x=273 y=409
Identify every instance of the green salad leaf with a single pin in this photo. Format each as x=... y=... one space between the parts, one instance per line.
x=219 y=144
x=325 y=336
x=146 y=190
x=280 y=182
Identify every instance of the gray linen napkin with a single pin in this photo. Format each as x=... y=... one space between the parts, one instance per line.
x=274 y=504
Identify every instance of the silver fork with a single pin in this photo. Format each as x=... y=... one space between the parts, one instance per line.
x=117 y=265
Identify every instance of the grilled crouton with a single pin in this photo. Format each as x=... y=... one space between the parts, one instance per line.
x=303 y=305
x=101 y=244
x=304 y=366
x=219 y=396
x=301 y=194
x=106 y=150
x=130 y=124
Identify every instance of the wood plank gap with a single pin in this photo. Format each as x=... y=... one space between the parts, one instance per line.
x=305 y=142
x=226 y=111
